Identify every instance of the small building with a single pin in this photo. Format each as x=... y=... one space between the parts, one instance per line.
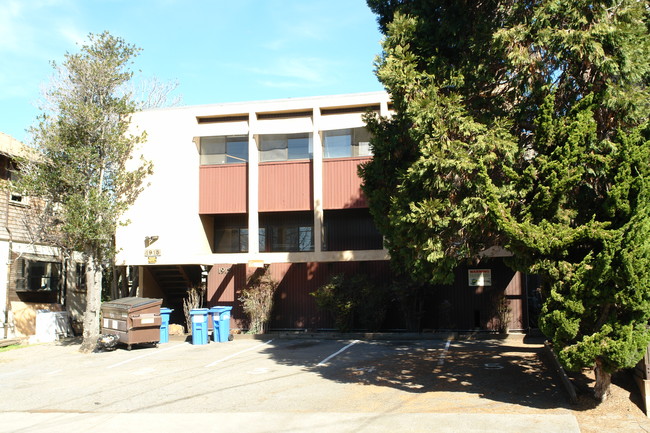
x=36 y=276
x=274 y=184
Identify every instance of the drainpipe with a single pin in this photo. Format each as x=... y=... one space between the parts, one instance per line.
x=8 y=264
x=7 y=304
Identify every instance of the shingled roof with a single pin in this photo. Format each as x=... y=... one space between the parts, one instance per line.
x=11 y=147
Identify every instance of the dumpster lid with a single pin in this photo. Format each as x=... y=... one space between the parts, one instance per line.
x=130 y=302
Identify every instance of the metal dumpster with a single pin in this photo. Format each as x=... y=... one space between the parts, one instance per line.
x=134 y=320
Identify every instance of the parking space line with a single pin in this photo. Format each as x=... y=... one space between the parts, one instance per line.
x=144 y=356
x=441 y=360
x=324 y=361
x=212 y=364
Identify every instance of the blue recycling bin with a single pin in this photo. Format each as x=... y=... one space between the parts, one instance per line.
x=220 y=323
x=164 y=325
x=199 y=325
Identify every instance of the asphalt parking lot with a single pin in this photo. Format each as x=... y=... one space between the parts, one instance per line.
x=284 y=384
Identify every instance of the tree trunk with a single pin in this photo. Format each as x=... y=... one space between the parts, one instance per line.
x=93 y=304
x=115 y=293
x=603 y=381
x=124 y=282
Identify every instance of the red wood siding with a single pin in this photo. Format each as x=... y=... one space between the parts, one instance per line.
x=516 y=296
x=222 y=189
x=342 y=184
x=285 y=186
x=458 y=306
x=294 y=307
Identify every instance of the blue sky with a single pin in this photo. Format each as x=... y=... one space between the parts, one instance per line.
x=217 y=50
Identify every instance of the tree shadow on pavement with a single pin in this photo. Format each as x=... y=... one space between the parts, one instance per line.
x=517 y=374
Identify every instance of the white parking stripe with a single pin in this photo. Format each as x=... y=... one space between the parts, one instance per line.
x=212 y=364
x=441 y=360
x=324 y=361
x=144 y=356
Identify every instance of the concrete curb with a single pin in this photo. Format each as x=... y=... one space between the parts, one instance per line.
x=11 y=342
x=570 y=389
x=399 y=336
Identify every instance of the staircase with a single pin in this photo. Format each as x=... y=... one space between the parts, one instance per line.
x=175 y=280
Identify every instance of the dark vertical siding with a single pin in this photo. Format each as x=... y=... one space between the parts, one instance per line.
x=461 y=306
x=225 y=283
x=458 y=306
x=294 y=307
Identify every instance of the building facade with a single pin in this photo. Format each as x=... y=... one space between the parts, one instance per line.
x=37 y=276
x=241 y=186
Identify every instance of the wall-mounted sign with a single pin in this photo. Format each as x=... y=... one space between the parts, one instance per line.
x=479 y=277
x=152 y=260
x=152 y=252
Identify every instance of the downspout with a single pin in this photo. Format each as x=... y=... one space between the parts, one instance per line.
x=11 y=241
x=7 y=303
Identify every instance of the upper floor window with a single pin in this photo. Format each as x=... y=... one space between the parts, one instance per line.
x=9 y=171
x=5 y=167
x=224 y=150
x=343 y=143
x=282 y=147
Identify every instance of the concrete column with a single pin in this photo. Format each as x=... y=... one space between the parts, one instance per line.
x=253 y=188
x=317 y=181
x=383 y=108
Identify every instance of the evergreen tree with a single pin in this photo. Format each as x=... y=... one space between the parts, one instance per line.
x=86 y=148
x=523 y=124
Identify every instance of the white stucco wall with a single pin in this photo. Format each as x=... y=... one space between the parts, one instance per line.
x=168 y=206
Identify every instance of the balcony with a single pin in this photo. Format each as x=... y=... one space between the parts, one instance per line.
x=223 y=189
x=342 y=184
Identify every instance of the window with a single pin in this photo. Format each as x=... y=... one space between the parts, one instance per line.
x=231 y=234
x=5 y=167
x=283 y=147
x=80 y=270
x=223 y=150
x=343 y=143
x=350 y=229
x=291 y=238
x=16 y=197
x=287 y=231
x=229 y=240
x=37 y=276
x=9 y=171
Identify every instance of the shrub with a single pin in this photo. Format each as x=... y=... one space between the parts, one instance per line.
x=257 y=300
x=193 y=300
x=353 y=301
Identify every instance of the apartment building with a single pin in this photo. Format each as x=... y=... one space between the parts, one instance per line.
x=240 y=186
